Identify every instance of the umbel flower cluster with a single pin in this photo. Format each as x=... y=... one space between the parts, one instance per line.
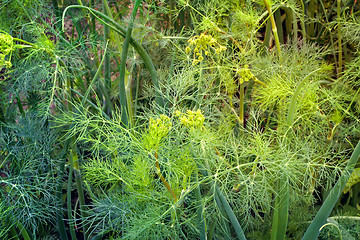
x=245 y=74
x=160 y=127
x=203 y=44
x=157 y=130
x=6 y=46
x=191 y=119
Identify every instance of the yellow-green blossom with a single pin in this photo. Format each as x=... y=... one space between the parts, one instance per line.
x=202 y=45
x=6 y=46
x=177 y=113
x=191 y=119
x=157 y=130
x=245 y=74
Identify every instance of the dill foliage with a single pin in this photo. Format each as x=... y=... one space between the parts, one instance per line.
x=179 y=119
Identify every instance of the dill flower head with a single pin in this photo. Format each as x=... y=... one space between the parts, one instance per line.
x=245 y=74
x=157 y=130
x=6 y=46
x=203 y=44
x=191 y=119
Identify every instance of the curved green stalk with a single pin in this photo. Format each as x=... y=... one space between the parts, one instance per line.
x=274 y=29
x=68 y=199
x=107 y=77
x=295 y=28
x=122 y=96
x=279 y=27
x=74 y=164
x=95 y=76
x=137 y=46
x=340 y=61
x=281 y=209
x=241 y=104
x=291 y=112
x=239 y=231
x=320 y=219
x=200 y=209
x=23 y=231
x=59 y=215
x=221 y=202
x=266 y=42
x=302 y=23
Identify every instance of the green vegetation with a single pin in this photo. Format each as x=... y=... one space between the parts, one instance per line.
x=180 y=119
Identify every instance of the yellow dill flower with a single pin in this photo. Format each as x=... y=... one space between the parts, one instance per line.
x=192 y=119
x=177 y=113
x=203 y=44
x=245 y=74
x=6 y=46
x=157 y=130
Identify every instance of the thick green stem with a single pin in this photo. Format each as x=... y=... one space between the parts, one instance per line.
x=266 y=42
x=123 y=101
x=289 y=21
x=60 y=221
x=118 y=45
x=279 y=26
x=221 y=201
x=20 y=106
x=200 y=209
x=340 y=51
x=137 y=46
x=241 y=104
x=231 y=215
x=163 y=180
x=23 y=231
x=295 y=28
x=311 y=9
x=226 y=225
x=92 y=18
x=107 y=72
x=74 y=164
x=281 y=209
x=94 y=78
x=274 y=28
x=68 y=199
x=292 y=106
x=320 y=219
x=302 y=23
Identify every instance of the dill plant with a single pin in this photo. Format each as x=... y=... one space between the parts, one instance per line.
x=245 y=139
x=28 y=178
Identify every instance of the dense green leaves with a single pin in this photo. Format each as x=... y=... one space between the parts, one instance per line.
x=179 y=119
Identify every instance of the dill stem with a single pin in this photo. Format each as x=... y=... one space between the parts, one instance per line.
x=241 y=105
x=74 y=165
x=166 y=184
x=274 y=29
x=107 y=70
x=124 y=99
x=340 y=62
x=68 y=202
x=326 y=208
